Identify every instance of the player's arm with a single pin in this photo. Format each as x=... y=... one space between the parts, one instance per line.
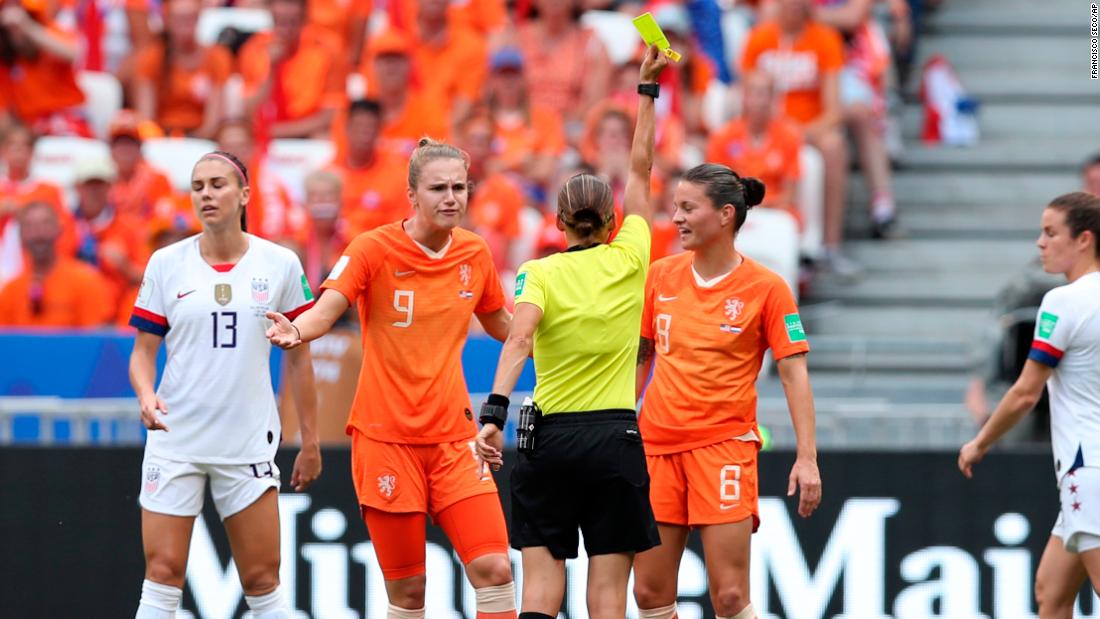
x=496 y=324
x=513 y=355
x=143 y=378
x=311 y=324
x=307 y=466
x=636 y=197
x=794 y=374
x=1020 y=399
x=646 y=351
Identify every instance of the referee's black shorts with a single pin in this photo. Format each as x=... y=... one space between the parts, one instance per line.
x=588 y=472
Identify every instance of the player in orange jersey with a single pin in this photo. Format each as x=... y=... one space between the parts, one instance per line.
x=710 y=314
x=417 y=283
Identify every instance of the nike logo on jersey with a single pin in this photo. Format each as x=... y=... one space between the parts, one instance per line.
x=403 y=273
x=725 y=507
x=662 y=297
x=180 y=295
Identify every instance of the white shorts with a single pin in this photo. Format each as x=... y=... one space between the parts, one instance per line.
x=177 y=488
x=1078 y=524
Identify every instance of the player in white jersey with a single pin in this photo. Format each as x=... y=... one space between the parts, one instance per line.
x=1065 y=356
x=214 y=416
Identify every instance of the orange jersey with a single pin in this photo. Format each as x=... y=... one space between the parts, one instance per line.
x=484 y=16
x=455 y=69
x=774 y=160
x=799 y=67
x=375 y=195
x=517 y=138
x=100 y=243
x=335 y=16
x=422 y=115
x=271 y=212
x=147 y=192
x=73 y=294
x=41 y=86
x=304 y=83
x=182 y=92
x=710 y=344
x=414 y=312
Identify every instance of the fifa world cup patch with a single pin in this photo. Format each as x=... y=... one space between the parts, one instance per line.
x=795 y=333
x=1047 y=322
x=306 y=292
x=520 y=281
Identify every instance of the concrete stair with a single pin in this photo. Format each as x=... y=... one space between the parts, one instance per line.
x=894 y=349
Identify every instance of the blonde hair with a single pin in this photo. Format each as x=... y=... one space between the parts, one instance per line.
x=428 y=150
x=325 y=178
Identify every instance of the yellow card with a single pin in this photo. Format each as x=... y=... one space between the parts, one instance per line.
x=653 y=35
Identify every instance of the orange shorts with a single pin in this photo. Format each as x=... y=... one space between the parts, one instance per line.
x=715 y=484
x=402 y=478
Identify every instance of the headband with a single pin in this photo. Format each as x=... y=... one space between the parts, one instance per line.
x=240 y=172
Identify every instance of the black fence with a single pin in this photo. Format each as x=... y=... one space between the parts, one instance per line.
x=897 y=535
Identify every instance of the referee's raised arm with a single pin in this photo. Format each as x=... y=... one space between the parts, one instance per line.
x=636 y=200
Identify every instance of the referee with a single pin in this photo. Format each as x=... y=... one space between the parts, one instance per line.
x=580 y=311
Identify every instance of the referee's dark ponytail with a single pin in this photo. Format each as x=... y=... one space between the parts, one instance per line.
x=723 y=186
x=586 y=205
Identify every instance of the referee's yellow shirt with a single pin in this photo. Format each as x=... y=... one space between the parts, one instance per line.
x=586 y=345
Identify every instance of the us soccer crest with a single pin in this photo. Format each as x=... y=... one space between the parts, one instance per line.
x=223 y=293
x=152 y=478
x=261 y=290
x=734 y=307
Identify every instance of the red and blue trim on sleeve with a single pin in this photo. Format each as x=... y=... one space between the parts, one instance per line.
x=291 y=315
x=144 y=320
x=1045 y=353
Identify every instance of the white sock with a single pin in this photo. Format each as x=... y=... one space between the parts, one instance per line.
x=664 y=612
x=158 y=601
x=498 y=599
x=395 y=612
x=746 y=613
x=268 y=606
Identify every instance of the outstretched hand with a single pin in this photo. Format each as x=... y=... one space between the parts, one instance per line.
x=282 y=333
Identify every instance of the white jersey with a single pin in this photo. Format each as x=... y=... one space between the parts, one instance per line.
x=1067 y=338
x=217 y=378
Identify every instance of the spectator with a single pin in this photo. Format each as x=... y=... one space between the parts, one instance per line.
x=761 y=144
x=455 y=58
x=804 y=58
x=863 y=99
x=271 y=213
x=531 y=136
x=568 y=68
x=180 y=84
x=293 y=79
x=37 y=71
x=410 y=111
x=485 y=17
x=685 y=83
x=497 y=200
x=17 y=189
x=140 y=189
x=606 y=148
x=54 y=290
x=345 y=22
x=671 y=137
x=1090 y=175
x=114 y=243
x=375 y=187
x=325 y=235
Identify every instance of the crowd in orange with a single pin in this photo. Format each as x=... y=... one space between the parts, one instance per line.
x=529 y=92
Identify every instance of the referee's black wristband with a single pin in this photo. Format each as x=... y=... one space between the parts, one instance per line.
x=494 y=410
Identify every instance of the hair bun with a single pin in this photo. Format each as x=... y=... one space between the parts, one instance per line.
x=754 y=191
x=424 y=141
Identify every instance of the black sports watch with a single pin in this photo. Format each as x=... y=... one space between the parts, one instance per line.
x=650 y=90
x=494 y=410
